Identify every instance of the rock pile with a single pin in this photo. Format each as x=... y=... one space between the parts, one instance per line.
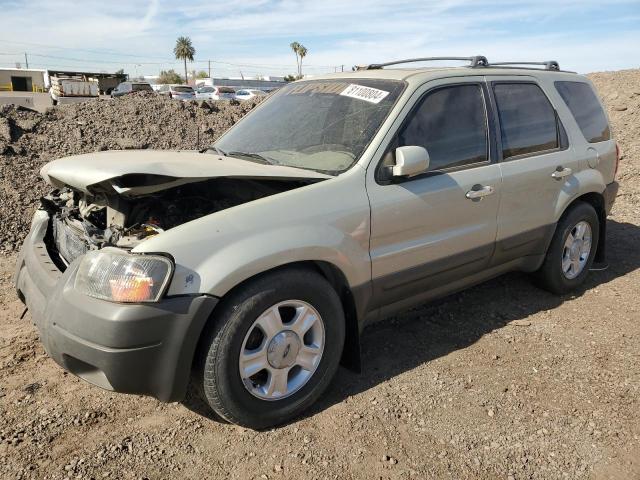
x=29 y=139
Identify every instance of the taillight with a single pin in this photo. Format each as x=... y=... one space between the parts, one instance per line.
x=170 y=95
x=617 y=159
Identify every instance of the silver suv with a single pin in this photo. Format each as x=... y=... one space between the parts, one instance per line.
x=243 y=275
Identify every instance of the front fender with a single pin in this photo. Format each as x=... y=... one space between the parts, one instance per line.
x=225 y=266
x=327 y=222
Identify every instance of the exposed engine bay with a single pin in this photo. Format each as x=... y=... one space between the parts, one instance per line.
x=87 y=221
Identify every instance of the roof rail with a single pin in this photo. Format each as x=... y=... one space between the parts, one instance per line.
x=476 y=61
x=548 y=65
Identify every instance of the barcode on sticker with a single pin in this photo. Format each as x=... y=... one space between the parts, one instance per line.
x=367 y=94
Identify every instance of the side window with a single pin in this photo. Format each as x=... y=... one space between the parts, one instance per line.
x=451 y=124
x=586 y=109
x=527 y=120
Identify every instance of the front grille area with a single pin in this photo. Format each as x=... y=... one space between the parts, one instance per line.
x=68 y=242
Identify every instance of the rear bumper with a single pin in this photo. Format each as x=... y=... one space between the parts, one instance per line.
x=609 y=194
x=143 y=349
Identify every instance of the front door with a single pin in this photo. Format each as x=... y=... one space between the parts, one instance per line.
x=440 y=226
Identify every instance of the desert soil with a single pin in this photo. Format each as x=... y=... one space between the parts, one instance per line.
x=501 y=381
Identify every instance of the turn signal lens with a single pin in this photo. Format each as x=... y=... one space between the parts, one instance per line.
x=122 y=277
x=131 y=289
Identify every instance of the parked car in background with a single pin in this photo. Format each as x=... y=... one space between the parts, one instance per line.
x=180 y=92
x=215 y=93
x=125 y=88
x=246 y=94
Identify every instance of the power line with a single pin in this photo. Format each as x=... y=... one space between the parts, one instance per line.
x=165 y=60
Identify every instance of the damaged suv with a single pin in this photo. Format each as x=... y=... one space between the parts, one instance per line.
x=242 y=276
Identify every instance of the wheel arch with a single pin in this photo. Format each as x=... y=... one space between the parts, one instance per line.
x=351 y=351
x=596 y=200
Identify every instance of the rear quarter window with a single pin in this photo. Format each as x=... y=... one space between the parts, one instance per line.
x=586 y=109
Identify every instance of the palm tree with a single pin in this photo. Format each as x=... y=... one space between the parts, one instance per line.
x=184 y=51
x=295 y=46
x=302 y=52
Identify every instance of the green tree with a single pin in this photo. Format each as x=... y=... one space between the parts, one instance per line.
x=302 y=52
x=295 y=46
x=184 y=51
x=202 y=74
x=169 y=76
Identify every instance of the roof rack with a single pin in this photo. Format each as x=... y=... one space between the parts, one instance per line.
x=476 y=61
x=548 y=65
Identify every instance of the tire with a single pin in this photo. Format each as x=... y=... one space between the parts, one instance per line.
x=217 y=369
x=551 y=276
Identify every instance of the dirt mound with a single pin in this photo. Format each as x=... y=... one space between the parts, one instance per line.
x=620 y=92
x=29 y=139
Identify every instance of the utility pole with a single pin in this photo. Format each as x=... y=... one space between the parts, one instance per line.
x=343 y=68
x=209 y=68
x=26 y=60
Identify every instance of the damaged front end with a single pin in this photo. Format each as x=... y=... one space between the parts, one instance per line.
x=83 y=221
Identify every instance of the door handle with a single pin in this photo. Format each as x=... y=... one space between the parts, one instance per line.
x=561 y=172
x=479 y=191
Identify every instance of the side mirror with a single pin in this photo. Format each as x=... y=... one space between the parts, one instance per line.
x=411 y=160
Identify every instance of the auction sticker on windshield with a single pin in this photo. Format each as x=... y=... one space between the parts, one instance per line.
x=368 y=94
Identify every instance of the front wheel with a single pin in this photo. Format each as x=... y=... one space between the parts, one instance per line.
x=271 y=349
x=572 y=250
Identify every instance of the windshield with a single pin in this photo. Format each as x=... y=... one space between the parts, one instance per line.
x=183 y=89
x=322 y=125
x=137 y=87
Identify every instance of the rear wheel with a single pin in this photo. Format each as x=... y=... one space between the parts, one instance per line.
x=272 y=348
x=572 y=250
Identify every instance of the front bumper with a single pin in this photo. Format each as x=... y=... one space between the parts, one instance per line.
x=143 y=349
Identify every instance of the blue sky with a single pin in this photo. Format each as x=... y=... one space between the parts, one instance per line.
x=253 y=36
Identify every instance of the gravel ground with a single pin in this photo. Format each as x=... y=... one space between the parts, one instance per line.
x=500 y=381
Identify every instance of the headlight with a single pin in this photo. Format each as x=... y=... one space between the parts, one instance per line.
x=123 y=277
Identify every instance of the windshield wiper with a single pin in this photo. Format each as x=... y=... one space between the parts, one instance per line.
x=215 y=149
x=252 y=156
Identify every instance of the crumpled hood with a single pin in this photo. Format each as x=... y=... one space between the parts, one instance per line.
x=139 y=172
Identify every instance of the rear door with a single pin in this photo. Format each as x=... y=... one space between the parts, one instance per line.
x=426 y=231
x=536 y=163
